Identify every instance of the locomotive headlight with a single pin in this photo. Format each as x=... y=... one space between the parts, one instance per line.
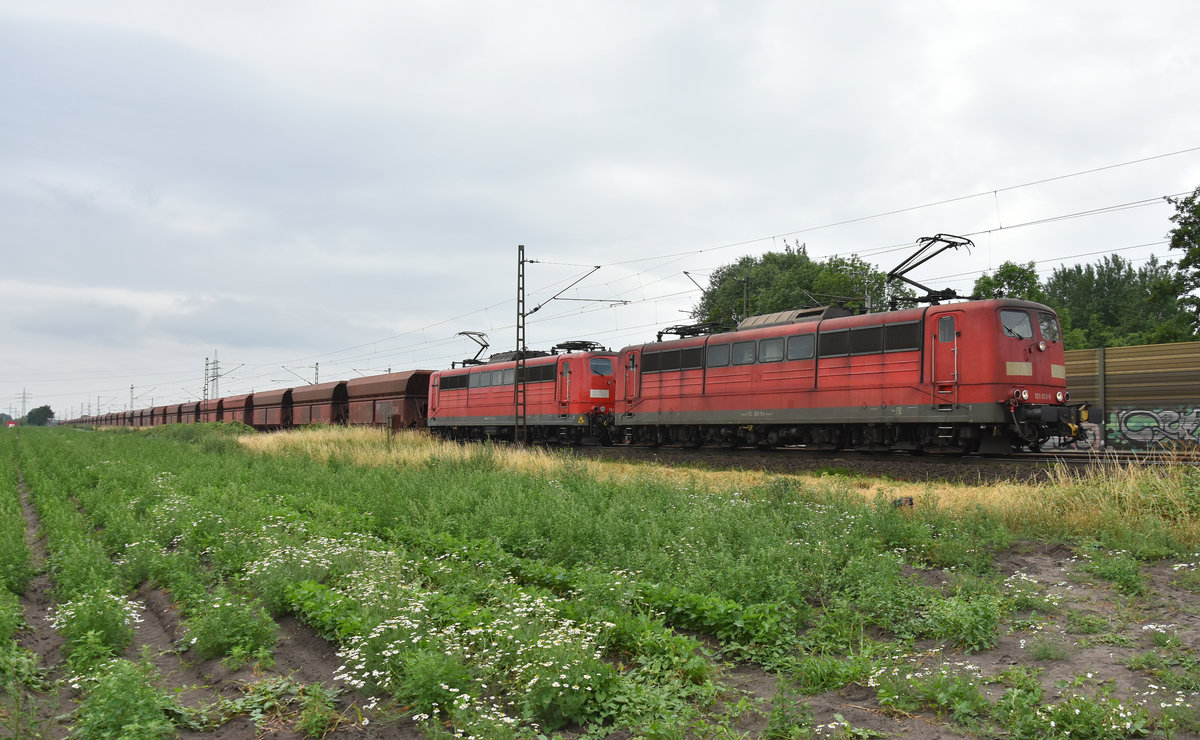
x=1042 y=345
x=1016 y=394
x=1060 y=396
x=1067 y=396
x=1024 y=394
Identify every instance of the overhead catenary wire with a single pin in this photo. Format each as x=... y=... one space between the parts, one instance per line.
x=337 y=357
x=909 y=209
x=631 y=331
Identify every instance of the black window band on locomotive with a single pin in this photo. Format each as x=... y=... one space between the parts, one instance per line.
x=668 y=360
x=834 y=343
x=687 y=358
x=902 y=337
x=866 y=341
x=496 y=378
x=870 y=340
x=539 y=373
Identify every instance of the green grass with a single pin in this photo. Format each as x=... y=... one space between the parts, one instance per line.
x=15 y=570
x=574 y=599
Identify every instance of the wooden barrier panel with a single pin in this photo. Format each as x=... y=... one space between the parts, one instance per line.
x=1144 y=396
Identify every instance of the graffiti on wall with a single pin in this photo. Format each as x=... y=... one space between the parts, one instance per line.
x=1140 y=428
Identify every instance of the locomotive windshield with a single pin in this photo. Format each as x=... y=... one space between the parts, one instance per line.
x=602 y=366
x=1048 y=323
x=1016 y=324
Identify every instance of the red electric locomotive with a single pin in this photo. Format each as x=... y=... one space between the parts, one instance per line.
x=978 y=376
x=568 y=397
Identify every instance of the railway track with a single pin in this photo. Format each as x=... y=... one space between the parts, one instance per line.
x=1113 y=457
x=967 y=469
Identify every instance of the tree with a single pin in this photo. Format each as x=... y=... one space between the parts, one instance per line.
x=39 y=417
x=1185 y=237
x=780 y=281
x=1111 y=304
x=1011 y=280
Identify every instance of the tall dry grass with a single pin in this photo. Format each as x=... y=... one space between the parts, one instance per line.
x=1147 y=509
x=372 y=447
x=1107 y=502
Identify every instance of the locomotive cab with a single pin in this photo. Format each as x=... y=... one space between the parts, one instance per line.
x=1007 y=354
x=1038 y=375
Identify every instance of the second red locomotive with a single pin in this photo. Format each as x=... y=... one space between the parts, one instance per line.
x=568 y=397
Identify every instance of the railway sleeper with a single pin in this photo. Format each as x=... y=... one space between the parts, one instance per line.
x=536 y=434
x=932 y=439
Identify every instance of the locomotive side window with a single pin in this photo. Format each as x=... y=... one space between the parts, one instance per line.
x=946 y=329
x=670 y=360
x=1016 y=324
x=866 y=341
x=667 y=360
x=770 y=350
x=508 y=375
x=718 y=355
x=475 y=379
x=497 y=377
x=834 y=343
x=1048 y=323
x=801 y=347
x=691 y=358
x=602 y=366
x=454 y=382
x=539 y=374
x=902 y=337
x=743 y=353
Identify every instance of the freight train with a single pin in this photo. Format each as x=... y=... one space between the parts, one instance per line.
x=985 y=376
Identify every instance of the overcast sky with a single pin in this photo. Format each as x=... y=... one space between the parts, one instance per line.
x=284 y=184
